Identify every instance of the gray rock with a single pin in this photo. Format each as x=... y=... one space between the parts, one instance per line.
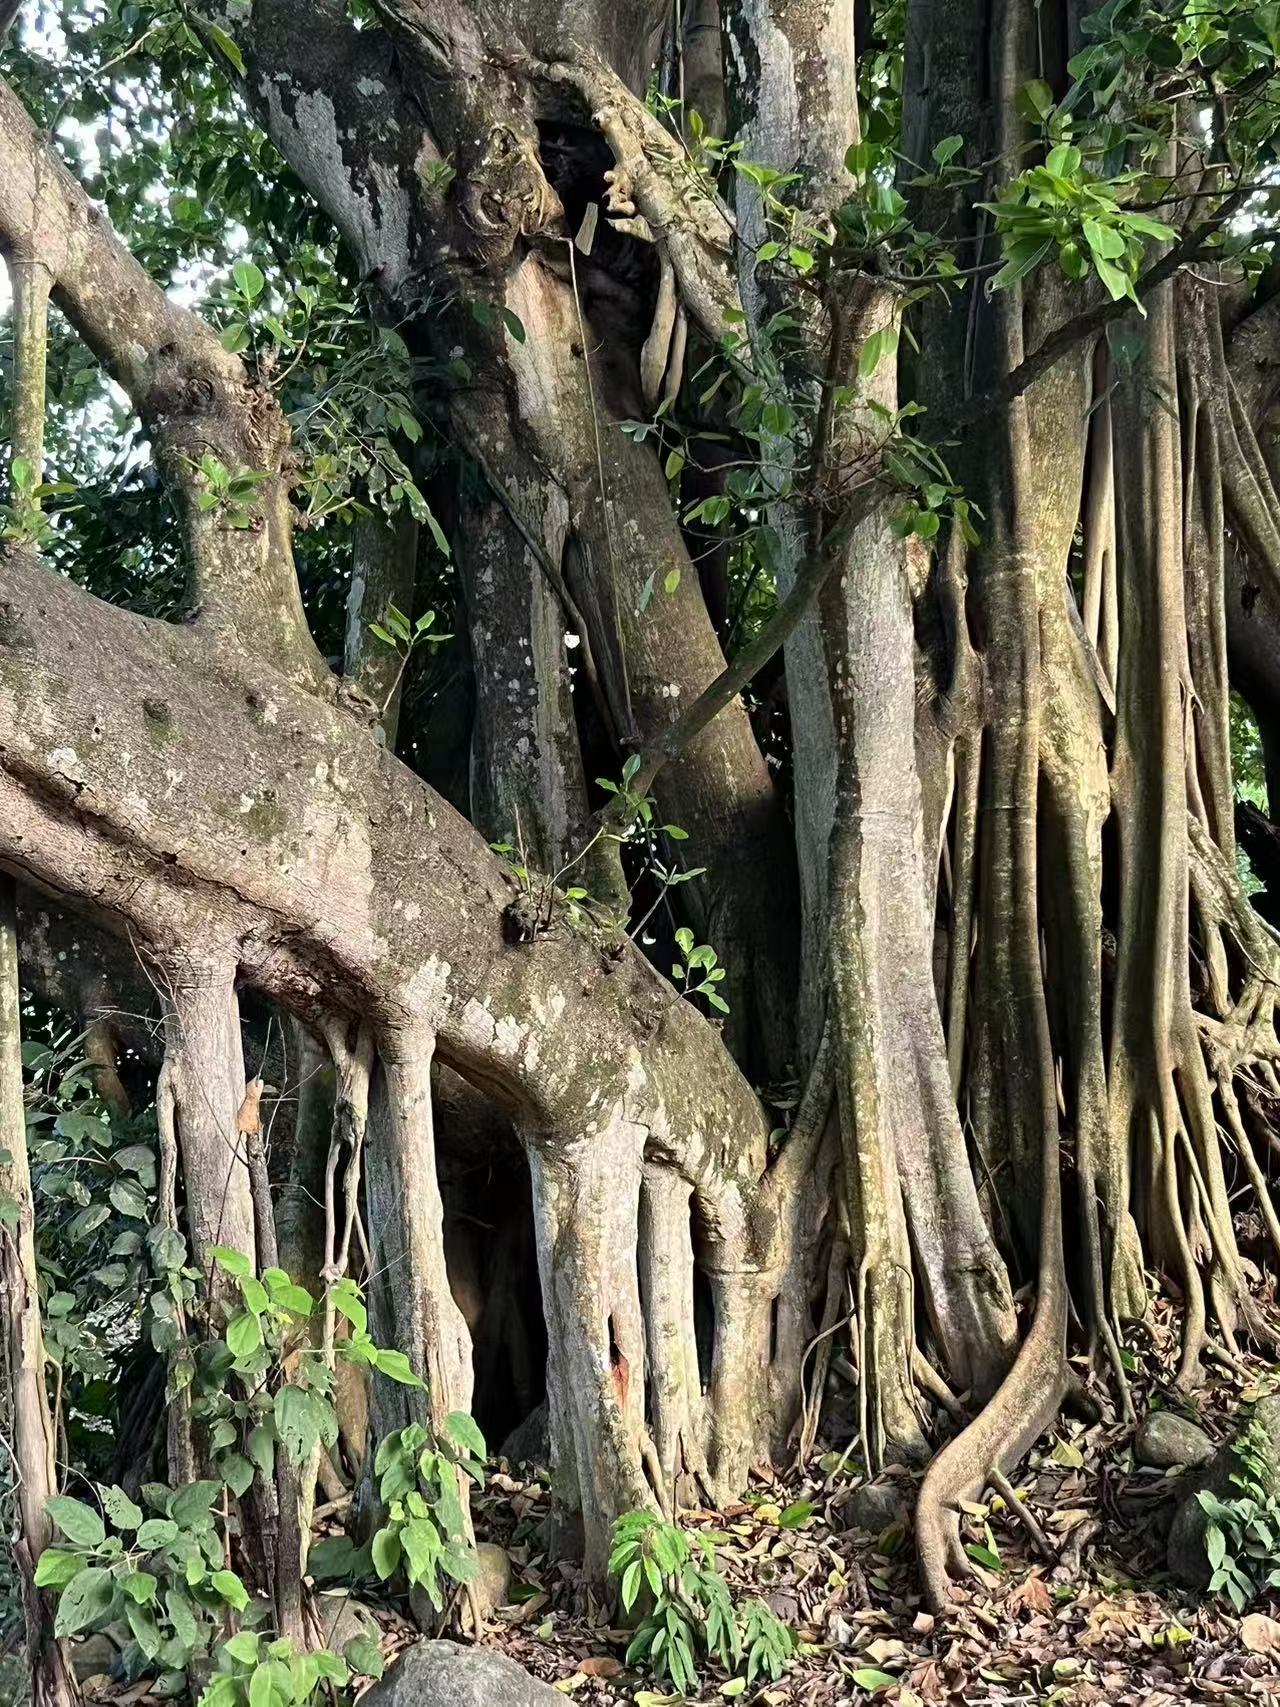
x=342 y=1618
x=444 y=1674
x=530 y=1441
x=1187 y=1559
x=874 y=1507
x=93 y=1656
x=1167 y=1441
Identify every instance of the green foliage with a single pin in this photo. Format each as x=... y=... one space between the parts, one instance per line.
x=691 y=1616
x=698 y=972
x=419 y=1482
x=1064 y=208
x=1242 y=1539
x=252 y=1671
x=163 y=1577
x=231 y=496
x=22 y=519
x=396 y=631
x=262 y=1388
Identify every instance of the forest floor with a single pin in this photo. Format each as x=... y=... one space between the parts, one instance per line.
x=1101 y=1621
x=1098 y=1621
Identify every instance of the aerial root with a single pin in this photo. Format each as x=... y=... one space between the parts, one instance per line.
x=1022 y=1514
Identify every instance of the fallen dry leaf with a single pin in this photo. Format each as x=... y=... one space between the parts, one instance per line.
x=1260 y=1634
x=600 y=1665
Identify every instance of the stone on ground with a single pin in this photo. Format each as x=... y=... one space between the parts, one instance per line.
x=1167 y=1441
x=445 y=1674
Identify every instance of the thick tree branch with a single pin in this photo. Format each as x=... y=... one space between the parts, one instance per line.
x=1194 y=245
x=188 y=794
x=194 y=397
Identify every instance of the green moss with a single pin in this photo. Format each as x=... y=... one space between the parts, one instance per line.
x=266 y=818
x=157 y=720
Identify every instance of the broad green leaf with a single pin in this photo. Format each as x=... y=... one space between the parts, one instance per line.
x=232 y=1590
x=157 y=1532
x=234 y=1262
x=120 y=1508
x=244 y=1334
x=364 y=1656
x=225 y=45
x=396 y=1367
x=386 y=1552
x=192 y=1505
x=55 y=1568
x=85 y=1600
x=461 y=1428
x=249 y=280
x=78 y=1522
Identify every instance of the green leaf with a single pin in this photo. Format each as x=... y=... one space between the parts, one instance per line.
x=223 y=42
x=304 y=1418
x=462 y=1429
x=944 y=152
x=395 y=1366
x=386 y=1552
x=1064 y=161
x=129 y=1199
x=331 y=1668
x=244 y=1334
x=157 y=1532
x=364 y=1656
x=234 y=1262
x=232 y=1590
x=1034 y=100
x=867 y=1677
x=254 y=1294
x=1117 y=283
x=1104 y=240
x=262 y=1691
x=237 y=1472
x=85 y=1600
x=81 y=1525
x=140 y=1586
x=223 y=1691
x=120 y=1508
x=146 y=1632
x=249 y=280
x=191 y=1505
x=181 y=1617
x=243 y=1648
x=55 y=1568
x=331 y=1558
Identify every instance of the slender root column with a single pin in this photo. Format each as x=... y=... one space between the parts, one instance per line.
x=202 y=1090
x=21 y=1338
x=666 y=1286
x=586 y=1208
x=413 y=1308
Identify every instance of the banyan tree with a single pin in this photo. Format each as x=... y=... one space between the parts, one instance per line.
x=831 y=496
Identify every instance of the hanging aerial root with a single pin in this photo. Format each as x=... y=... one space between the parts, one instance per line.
x=586 y=1206
x=673 y=1455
